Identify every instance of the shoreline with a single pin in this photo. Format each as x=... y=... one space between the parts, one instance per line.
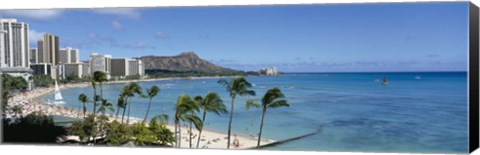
x=46 y=90
x=31 y=102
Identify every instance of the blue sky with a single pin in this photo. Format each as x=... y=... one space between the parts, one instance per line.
x=302 y=38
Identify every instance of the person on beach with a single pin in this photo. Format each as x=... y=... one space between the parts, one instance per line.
x=236 y=142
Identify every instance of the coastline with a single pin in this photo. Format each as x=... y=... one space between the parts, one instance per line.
x=210 y=139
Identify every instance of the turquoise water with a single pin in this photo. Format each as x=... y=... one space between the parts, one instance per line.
x=427 y=114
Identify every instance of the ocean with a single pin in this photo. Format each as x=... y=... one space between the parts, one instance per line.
x=418 y=112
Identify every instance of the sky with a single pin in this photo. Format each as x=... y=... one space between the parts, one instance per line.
x=295 y=38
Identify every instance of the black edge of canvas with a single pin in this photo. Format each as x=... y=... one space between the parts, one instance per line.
x=474 y=77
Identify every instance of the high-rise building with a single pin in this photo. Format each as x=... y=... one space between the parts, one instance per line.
x=33 y=56
x=100 y=62
x=48 y=49
x=68 y=55
x=85 y=69
x=73 y=69
x=135 y=67
x=74 y=55
x=14 y=43
x=119 y=67
x=45 y=69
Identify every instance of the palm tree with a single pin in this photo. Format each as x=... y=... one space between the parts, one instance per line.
x=94 y=86
x=273 y=98
x=193 y=113
x=120 y=104
x=84 y=99
x=100 y=77
x=105 y=105
x=152 y=92
x=211 y=103
x=238 y=86
x=183 y=107
x=129 y=91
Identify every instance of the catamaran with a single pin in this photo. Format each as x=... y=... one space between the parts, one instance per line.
x=58 y=95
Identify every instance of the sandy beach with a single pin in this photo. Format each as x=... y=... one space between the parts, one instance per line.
x=31 y=103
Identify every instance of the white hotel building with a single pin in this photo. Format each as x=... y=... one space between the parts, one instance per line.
x=14 y=44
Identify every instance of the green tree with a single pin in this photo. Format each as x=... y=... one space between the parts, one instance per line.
x=94 y=86
x=211 y=103
x=143 y=135
x=10 y=85
x=84 y=99
x=158 y=126
x=85 y=129
x=129 y=91
x=26 y=129
x=183 y=109
x=120 y=104
x=152 y=92
x=100 y=77
x=42 y=80
x=273 y=98
x=238 y=86
x=118 y=133
x=105 y=105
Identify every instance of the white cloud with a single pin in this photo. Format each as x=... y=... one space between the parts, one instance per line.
x=120 y=12
x=116 y=26
x=162 y=35
x=34 y=36
x=40 y=15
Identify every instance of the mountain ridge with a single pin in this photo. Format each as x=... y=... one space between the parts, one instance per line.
x=185 y=61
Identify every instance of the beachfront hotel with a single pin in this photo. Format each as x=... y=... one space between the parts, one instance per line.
x=48 y=48
x=85 y=68
x=13 y=43
x=271 y=71
x=44 y=69
x=73 y=69
x=99 y=62
x=136 y=67
x=33 y=56
x=122 y=67
x=68 y=55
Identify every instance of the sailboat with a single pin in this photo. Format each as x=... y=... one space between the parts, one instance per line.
x=58 y=95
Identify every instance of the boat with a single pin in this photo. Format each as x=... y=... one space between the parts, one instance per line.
x=58 y=95
x=418 y=77
x=385 y=81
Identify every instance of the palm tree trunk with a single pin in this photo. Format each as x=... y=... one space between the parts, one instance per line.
x=201 y=129
x=78 y=112
x=94 y=103
x=180 y=134
x=84 y=109
x=230 y=122
x=128 y=117
x=148 y=110
x=190 y=136
x=176 y=132
x=101 y=90
x=125 y=108
x=261 y=127
x=118 y=110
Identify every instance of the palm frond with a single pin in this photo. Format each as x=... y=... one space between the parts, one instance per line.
x=272 y=95
x=162 y=118
x=278 y=103
x=195 y=120
x=252 y=103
